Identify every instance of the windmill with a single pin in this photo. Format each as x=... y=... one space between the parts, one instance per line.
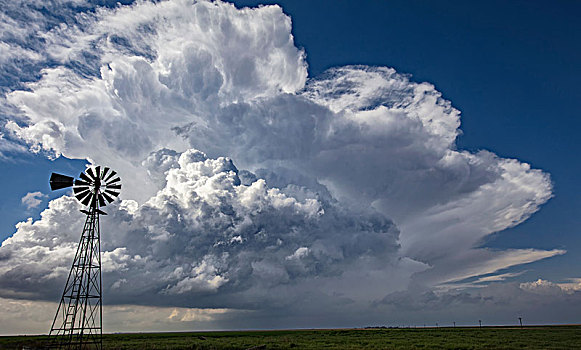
x=78 y=320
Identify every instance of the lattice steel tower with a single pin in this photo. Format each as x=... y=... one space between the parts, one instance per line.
x=78 y=321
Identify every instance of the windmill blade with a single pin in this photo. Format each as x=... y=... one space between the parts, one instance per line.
x=81 y=194
x=84 y=197
x=105 y=171
x=98 y=172
x=88 y=199
x=117 y=179
x=85 y=177
x=113 y=173
x=107 y=197
x=112 y=193
x=115 y=187
x=91 y=174
x=101 y=201
x=81 y=183
x=79 y=189
x=58 y=181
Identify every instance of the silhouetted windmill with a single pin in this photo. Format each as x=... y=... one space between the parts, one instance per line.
x=78 y=320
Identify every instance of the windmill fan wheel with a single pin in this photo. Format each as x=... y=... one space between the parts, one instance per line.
x=97 y=186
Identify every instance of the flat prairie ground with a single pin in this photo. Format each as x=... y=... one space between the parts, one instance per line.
x=538 y=337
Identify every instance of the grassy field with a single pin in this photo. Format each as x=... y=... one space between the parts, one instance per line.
x=549 y=337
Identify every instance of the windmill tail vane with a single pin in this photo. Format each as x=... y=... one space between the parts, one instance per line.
x=78 y=321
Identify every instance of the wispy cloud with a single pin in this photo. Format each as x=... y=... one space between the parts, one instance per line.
x=479 y=282
x=33 y=199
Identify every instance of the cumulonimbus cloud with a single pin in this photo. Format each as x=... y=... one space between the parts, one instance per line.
x=245 y=181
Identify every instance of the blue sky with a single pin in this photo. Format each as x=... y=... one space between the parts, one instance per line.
x=400 y=176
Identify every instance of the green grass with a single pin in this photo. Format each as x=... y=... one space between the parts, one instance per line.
x=546 y=337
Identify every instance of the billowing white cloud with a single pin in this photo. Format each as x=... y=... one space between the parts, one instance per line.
x=541 y=286
x=246 y=184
